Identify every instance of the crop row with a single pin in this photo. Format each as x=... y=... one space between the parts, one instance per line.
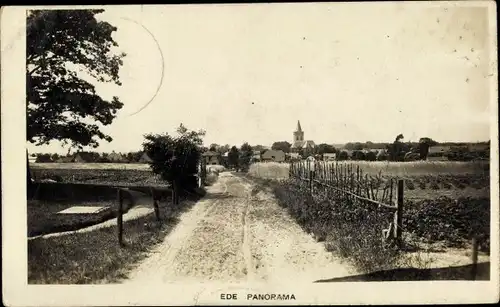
x=451 y=183
x=452 y=220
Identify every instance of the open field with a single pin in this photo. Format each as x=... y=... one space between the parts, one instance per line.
x=96 y=173
x=273 y=170
x=102 y=173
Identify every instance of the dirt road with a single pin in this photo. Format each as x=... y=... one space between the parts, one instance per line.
x=237 y=233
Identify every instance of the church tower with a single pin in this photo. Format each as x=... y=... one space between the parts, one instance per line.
x=298 y=135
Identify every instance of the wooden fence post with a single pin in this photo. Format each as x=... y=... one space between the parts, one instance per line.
x=120 y=217
x=156 y=200
x=474 y=258
x=176 y=192
x=399 y=214
x=311 y=182
x=157 y=209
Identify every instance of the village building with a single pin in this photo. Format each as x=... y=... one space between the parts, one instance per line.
x=271 y=155
x=116 y=157
x=293 y=156
x=438 y=151
x=300 y=145
x=256 y=157
x=65 y=160
x=212 y=157
x=329 y=156
x=32 y=159
x=79 y=158
x=145 y=158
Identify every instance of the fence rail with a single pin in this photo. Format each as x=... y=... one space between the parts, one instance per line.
x=349 y=183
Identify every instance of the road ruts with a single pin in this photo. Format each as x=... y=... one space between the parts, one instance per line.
x=237 y=233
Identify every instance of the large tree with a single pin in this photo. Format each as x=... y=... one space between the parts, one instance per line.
x=223 y=148
x=397 y=149
x=61 y=45
x=424 y=144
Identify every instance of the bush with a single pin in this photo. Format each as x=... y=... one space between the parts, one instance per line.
x=343 y=155
x=370 y=156
x=382 y=156
x=358 y=155
x=410 y=185
x=175 y=159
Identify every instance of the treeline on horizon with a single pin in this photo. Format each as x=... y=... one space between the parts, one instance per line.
x=135 y=156
x=384 y=145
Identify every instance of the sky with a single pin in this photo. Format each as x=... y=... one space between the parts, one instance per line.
x=348 y=71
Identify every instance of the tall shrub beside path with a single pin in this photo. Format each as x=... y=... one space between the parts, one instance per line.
x=175 y=159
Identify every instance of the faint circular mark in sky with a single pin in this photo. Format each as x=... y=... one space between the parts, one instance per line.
x=148 y=102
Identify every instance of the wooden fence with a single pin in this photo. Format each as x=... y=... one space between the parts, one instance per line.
x=350 y=184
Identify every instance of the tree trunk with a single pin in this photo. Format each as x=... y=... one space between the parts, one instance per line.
x=28 y=175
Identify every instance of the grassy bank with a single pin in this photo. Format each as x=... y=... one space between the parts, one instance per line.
x=96 y=257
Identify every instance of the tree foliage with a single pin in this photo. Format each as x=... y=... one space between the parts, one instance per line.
x=371 y=156
x=282 y=145
x=260 y=148
x=223 y=148
x=424 y=144
x=325 y=148
x=246 y=153
x=397 y=150
x=343 y=155
x=233 y=157
x=175 y=158
x=60 y=104
x=358 y=155
x=43 y=158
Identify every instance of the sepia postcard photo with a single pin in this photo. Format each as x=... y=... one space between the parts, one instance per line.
x=250 y=154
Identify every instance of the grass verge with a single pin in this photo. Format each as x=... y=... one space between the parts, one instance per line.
x=96 y=257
